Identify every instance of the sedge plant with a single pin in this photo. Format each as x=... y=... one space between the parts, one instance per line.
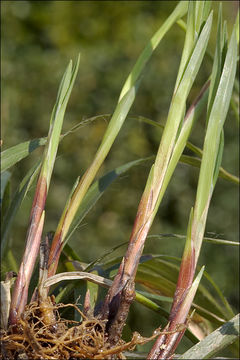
x=36 y=327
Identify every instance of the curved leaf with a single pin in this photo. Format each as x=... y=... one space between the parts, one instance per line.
x=215 y=342
x=206 y=239
x=97 y=190
x=15 y=204
x=125 y=102
x=160 y=275
x=5 y=193
x=14 y=154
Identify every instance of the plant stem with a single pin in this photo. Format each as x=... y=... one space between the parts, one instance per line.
x=20 y=292
x=120 y=295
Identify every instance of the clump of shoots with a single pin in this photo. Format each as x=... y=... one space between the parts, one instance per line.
x=38 y=329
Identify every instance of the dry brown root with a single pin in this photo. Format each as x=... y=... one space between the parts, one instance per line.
x=34 y=337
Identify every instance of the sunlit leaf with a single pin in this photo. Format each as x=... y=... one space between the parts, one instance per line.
x=214 y=343
x=11 y=156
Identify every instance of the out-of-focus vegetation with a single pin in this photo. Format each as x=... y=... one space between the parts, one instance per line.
x=38 y=38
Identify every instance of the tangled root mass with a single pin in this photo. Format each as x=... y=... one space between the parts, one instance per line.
x=37 y=336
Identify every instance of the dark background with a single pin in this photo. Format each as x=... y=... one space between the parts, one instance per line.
x=38 y=39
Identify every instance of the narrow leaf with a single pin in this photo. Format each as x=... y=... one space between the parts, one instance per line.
x=11 y=156
x=172 y=340
x=5 y=194
x=20 y=292
x=175 y=116
x=94 y=193
x=212 y=141
x=178 y=12
x=125 y=101
x=4 y=180
x=218 y=158
x=206 y=239
x=14 y=154
x=15 y=204
x=214 y=343
x=217 y=63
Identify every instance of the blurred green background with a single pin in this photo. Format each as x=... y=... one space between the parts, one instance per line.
x=38 y=39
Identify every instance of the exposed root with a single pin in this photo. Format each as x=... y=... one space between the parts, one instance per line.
x=39 y=335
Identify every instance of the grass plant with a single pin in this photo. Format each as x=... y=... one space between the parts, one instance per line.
x=32 y=317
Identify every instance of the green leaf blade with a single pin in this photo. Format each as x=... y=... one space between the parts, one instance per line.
x=215 y=125
x=214 y=343
x=14 y=154
x=15 y=205
x=178 y=12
